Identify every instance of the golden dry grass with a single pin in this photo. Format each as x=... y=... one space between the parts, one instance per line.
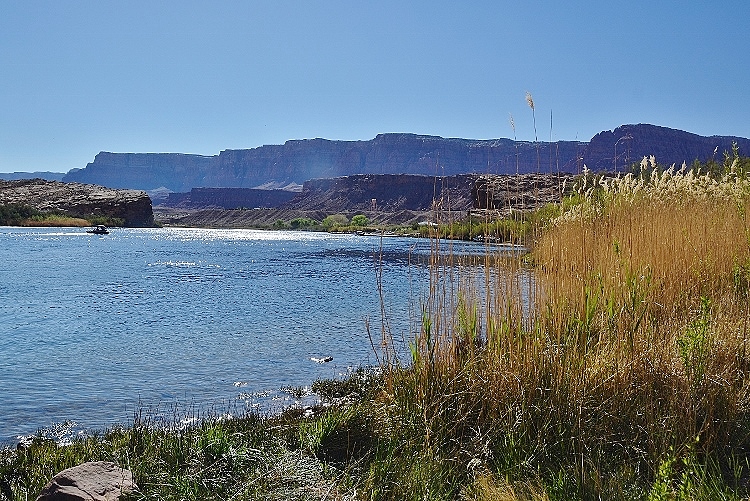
x=56 y=221
x=625 y=346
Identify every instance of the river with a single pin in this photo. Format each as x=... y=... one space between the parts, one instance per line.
x=94 y=328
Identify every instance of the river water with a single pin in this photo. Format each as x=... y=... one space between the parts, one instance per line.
x=93 y=328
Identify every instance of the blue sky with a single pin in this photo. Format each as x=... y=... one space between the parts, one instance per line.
x=78 y=77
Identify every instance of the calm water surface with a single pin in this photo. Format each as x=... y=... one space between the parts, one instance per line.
x=94 y=327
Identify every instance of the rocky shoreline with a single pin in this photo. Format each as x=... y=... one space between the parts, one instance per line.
x=79 y=200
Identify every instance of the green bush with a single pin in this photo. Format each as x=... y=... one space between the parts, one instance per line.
x=335 y=220
x=15 y=214
x=302 y=223
x=360 y=220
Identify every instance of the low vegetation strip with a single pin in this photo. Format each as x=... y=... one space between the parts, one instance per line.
x=24 y=215
x=610 y=363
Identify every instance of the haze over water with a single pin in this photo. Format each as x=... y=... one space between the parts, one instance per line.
x=92 y=327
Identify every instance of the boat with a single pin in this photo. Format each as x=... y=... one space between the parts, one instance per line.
x=99 y=229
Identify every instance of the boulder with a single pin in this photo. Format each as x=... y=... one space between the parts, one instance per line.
x=96 y=481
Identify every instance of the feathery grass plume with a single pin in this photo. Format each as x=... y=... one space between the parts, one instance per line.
x=530 y=100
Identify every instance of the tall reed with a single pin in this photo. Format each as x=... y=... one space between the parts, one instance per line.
x=621 y=355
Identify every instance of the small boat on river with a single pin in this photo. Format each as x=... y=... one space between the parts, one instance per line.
x=99 y=229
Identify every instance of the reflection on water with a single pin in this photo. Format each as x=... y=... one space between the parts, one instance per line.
x=92 y=327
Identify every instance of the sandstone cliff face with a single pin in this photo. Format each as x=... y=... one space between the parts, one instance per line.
x=615 y=150
x=389 y=193
x=146 y=171
x=80 y=200
x=297 y=161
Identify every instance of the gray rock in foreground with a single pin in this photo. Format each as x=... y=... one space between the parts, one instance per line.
x=96 y=481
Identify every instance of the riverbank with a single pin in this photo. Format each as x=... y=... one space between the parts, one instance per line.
x=620 y=371
x=267 y=218
x=303 y=453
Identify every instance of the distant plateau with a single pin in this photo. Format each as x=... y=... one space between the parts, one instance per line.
x=387 y=174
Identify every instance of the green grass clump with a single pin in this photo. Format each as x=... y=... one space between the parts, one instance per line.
x=55 y=221
x=212 y=458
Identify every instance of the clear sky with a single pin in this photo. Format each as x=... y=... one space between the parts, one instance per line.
x=78 y=77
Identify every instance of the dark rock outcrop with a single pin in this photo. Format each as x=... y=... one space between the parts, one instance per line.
x=387 y=193
x=80 y=200
x=96 y=481
x=402 y=199
x=229 y=198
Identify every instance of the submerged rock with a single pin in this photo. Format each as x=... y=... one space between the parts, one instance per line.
x=96 y=481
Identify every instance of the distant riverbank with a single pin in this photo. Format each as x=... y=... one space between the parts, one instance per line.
x=266 y=218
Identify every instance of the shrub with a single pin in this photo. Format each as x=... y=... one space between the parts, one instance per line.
x=15 y=214
x=106 y=221
x=302 y=223
x=360 y=220
x=335 y=220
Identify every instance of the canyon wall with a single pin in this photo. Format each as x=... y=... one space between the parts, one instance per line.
x=289 y=165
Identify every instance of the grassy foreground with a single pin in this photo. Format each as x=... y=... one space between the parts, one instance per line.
x=617 y=369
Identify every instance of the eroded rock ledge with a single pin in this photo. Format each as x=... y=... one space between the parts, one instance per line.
x=80 y=200
x=386 y=199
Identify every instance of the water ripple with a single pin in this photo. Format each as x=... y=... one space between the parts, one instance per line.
x=90 y=329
